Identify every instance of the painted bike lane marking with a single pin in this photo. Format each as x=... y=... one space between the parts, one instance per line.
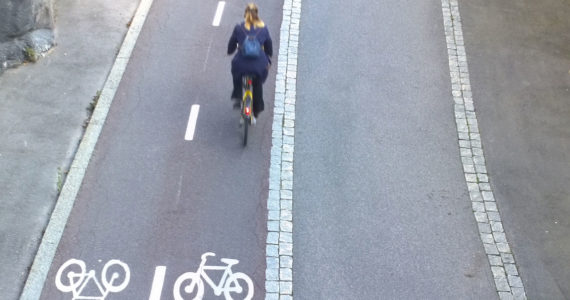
x=85 y=284
x=157 y=283
x=218 y=15
x=191 y=127
x=73 y=277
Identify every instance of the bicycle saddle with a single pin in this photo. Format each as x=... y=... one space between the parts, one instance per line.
x=229 y=261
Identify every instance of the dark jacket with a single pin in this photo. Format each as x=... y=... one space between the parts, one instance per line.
x=247 y=66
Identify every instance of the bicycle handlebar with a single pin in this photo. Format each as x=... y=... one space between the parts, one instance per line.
x=205 y=255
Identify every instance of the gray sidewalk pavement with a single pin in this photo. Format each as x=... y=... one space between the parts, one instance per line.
x=43 y=107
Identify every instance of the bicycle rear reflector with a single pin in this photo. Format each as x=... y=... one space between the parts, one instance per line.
x=247 y=111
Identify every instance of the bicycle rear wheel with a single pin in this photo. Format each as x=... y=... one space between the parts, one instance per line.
x=239 y=286
x=247 y=105
x=188 y=286
x=247 y=115
x=245 y=126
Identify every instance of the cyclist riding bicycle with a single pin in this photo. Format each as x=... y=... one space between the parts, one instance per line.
x=252 y=29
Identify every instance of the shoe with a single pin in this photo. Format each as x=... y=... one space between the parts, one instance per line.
x=253 y=120
x=241 y=121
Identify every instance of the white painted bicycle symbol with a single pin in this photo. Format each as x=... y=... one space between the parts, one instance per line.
x=84 y=284
x=238 y=283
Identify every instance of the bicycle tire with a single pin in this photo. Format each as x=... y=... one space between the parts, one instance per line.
x=245 y=126
x=233 y=285
x=108 y=283
x=247 y=106
x=63 y=286
x=195 y=285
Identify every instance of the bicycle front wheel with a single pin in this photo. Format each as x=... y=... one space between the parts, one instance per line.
x=120 y=272
x=240 y=285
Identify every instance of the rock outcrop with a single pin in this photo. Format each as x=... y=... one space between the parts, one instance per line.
x=26 y=31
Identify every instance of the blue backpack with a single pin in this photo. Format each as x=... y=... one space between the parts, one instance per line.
x=251 y=48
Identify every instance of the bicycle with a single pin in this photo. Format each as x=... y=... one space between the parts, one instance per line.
x=246 y=105
x=229 y=282
x=77 y=282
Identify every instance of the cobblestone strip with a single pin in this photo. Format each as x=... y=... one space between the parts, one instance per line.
x=279 y=252
x=507 y=280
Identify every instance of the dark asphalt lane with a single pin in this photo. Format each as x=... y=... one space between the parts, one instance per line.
x=149 y=197
x=518 y=53
x=381 y=206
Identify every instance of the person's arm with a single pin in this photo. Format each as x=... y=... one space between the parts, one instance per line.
x=233 y=43
x=268 y=45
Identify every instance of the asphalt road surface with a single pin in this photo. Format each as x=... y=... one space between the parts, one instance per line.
x=381 y=208
x=520 y=71
x=151 y=198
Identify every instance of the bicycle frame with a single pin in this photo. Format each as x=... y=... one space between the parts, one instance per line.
x=247 y=94
x=85 y=279
x=218 y=288
x=80 y=281
x=247 y=105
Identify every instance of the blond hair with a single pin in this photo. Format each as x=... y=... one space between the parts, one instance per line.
x=252 y=18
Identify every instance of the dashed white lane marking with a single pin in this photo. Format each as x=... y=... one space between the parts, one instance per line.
x=157 y=283
x=207 y=55
x=219 y=12
x=192 y=122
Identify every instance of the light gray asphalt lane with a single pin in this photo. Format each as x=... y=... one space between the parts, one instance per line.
x=149 y=197
x=381 y=207
x=520 y=74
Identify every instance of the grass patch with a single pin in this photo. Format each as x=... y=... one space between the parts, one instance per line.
x=94 y=101
x=130 y=22
x=91 y=107
x=60 y=176
x=30 y=54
